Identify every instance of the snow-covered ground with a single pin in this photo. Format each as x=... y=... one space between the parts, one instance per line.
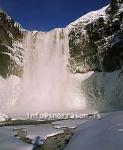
x=43 y=130
x=9 y=142
x=68 y=123
x=104 y=134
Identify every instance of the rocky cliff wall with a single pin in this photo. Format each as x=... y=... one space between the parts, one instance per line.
x=11 y=49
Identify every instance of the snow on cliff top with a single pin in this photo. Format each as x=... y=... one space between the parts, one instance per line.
x=121 y=8
x=89 y=17
x=16 y=24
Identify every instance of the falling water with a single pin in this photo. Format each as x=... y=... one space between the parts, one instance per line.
x=47 y=84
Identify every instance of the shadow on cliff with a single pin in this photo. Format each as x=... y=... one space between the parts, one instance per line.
x=104 y=91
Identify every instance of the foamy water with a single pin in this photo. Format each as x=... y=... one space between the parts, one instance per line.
x=47 y=84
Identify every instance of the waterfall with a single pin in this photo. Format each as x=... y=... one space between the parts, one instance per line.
x=47 y=84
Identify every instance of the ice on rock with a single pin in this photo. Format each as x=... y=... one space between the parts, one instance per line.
x=91 y=16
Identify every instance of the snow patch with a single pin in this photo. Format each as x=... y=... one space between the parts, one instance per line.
x=91 y=16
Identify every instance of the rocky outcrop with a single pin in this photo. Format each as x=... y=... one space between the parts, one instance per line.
x=55 y=142
x=11 y=53
x=96 y=40
x=95 y=45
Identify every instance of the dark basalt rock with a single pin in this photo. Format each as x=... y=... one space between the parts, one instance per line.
x=101 y=48
x=10 y=33
x=114 y=6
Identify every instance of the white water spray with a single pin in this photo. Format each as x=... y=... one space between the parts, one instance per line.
x=47 y=85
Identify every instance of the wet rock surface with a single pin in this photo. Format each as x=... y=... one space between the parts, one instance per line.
x=56 y=142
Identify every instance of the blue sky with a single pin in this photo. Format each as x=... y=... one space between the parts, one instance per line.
x=45 y=15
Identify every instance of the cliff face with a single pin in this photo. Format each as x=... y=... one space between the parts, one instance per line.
x=96 y=44
x=95 y=48
x=11 y=50
x=96 y=40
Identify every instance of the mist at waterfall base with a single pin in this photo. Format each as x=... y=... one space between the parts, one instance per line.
x=47 y=84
